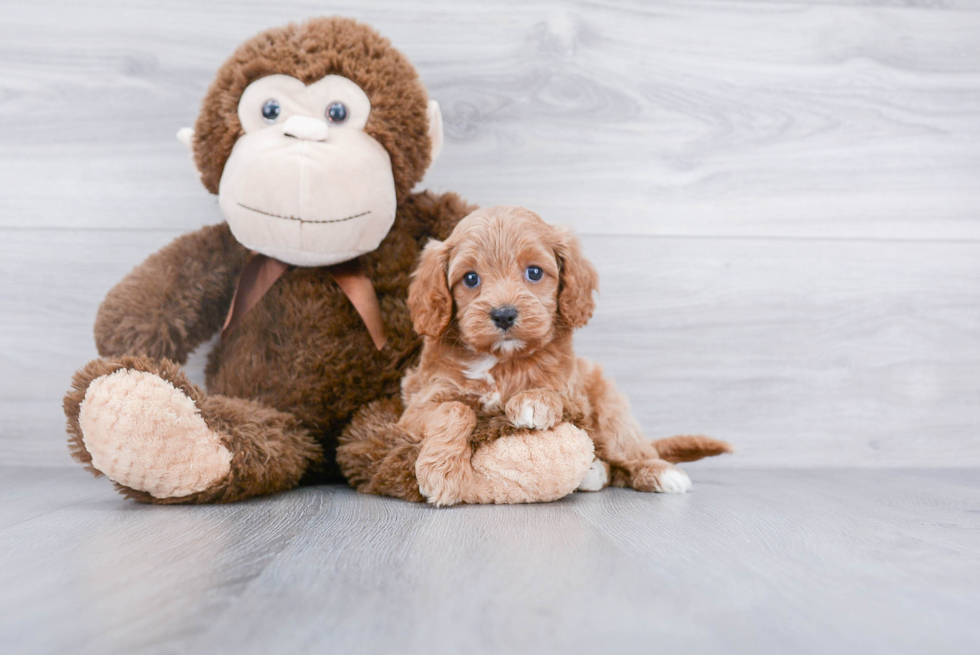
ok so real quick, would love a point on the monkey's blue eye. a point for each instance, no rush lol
(337, 112)
(471, 279)
(534, 273)
(270, 110)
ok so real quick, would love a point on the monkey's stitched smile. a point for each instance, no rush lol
(303, 220)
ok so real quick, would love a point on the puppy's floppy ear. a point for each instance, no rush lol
(578, 280)
(429, 298)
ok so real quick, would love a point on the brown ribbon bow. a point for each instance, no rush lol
(261, 272)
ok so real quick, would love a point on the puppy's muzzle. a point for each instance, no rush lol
(504, 317)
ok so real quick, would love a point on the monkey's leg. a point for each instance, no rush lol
(532, 466)
(161, 439)
(378, 457)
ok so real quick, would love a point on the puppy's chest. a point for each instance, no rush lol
(481, 384)
(491, 385)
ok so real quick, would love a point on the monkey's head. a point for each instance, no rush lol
(311, 134)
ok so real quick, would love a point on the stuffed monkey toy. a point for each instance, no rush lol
(313, 136)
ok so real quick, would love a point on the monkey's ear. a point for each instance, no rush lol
(436, 134)
(429, 298)
(186, 136)
(578, 280)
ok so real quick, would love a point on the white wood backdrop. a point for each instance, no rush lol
(783, 198)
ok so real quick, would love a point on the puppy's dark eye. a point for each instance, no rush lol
(337, 112)
(270, 110)
(471, 280)
(534, 273)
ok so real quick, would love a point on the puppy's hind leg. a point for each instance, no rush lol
(633, 459)
(654, 475)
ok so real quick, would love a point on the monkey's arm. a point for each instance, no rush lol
(175, 300)
(431, 215)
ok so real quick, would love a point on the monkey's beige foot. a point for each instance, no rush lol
(147, 435)
(532, 467)
(659, 476)
(163, 440)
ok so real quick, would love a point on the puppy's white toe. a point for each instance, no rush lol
(534, 414)
(597, 477)
(526, 419)
(674, 481)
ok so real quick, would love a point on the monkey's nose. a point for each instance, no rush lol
(504, 317)
(306, 128)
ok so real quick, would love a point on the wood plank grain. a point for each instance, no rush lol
(106, 575)
(715, 118)
(751, 561)
(29, 492)
(802, 353)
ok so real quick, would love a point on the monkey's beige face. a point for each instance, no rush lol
(305, 184)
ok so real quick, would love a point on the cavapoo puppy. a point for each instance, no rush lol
(497, 303)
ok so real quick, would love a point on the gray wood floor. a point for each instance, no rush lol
(751, 561)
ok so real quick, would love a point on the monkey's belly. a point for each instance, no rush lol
(305, 350)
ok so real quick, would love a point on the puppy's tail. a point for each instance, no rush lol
(688, 449)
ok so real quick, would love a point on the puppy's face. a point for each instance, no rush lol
(507, 278)
(504, 282)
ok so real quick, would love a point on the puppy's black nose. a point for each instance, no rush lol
(504, 317)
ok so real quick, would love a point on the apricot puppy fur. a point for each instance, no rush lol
(497, 303)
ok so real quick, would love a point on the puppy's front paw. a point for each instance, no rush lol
(437, 496)
(437, 490)
(538, 409)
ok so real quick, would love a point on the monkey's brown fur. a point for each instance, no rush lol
(284, 383)
(379, 457)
